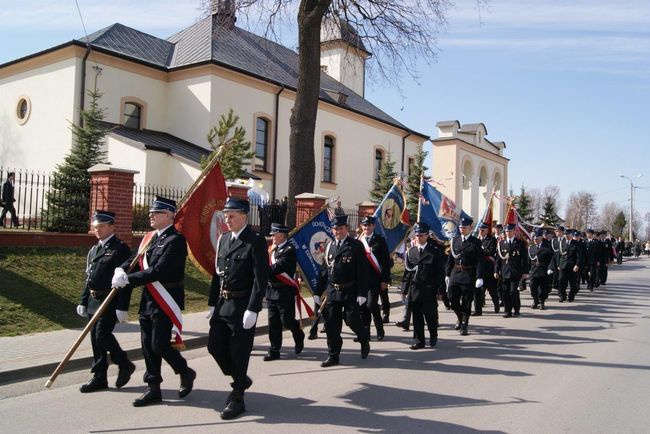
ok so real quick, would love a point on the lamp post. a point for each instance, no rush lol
(631, 199)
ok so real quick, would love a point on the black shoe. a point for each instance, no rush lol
(401, 324)
(249, 383)
(187, 382)
(517, 313)
(95, 384)
(433, 341)
(457, 326)
(497, 308)
(365, 349)
(561, 300)
(323, 330)
(313, 334)
(542, 307)
(299, 343)
(463, 330)
(534, 306)
(571, 299)
(477, 314)
(507, 315)
(271, 355)
(124, 375)
(151, 396)
(385, 319)
(381, 334)
(417, 346)
(356, 339)
(330, 361)
(235, 406)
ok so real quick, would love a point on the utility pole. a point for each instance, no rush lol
(631, 200)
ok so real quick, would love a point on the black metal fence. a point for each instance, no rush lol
(143, 196)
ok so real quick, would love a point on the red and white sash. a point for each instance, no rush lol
(374, 263)
(163, 297)
(287, 280)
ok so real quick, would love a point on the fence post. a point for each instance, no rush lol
(112, 190)
(306, 206)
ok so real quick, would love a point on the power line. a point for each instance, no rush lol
(82, 19)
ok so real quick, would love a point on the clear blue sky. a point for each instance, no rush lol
(566, 84)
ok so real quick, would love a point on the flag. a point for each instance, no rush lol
(487, 217)
(392, 217)
(439, 212)
(309, 240)
(513, 218)
(199, 217)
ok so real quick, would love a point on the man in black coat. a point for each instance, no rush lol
(592, 258)
(605, 258)
(281, 293)
(555, 262)
(539, 256)
(489, 249)
(378, 262)
(346, 290)
(583, 276)
(162, 271)
(511, 267)
(236, 294)
(620, 248)
(8, 200)
(423, 275)
(463, 273)
(101, 262)
(569, 265)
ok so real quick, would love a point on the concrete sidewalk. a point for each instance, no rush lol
(37, 355)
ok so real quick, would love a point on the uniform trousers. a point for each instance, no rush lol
(424, 311)
(540, 288)
(156, 335)
(103, 341)
(385, 302)
(510, 293)
(334, 313)
(230, 344)
(370, 310)
(568, 279)
(282, 313)
(603, 273)
(593, 276)
(460, 298)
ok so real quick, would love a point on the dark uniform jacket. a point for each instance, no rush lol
(379, 248)
(468, 263)
(242, 265)
(101, 263)
(607, 250)
(285, 262)
(582, 251)
(166, 257)
(423, 272)
(569, 255)
(512, 259)
(539, 259)
(8, 193)
(346, 266)
(489, 250)
(594, 252)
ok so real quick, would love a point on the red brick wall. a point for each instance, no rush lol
(113, 191)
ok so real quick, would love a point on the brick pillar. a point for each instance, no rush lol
(307, 204)
(366, 208)
(112, 190)
(238, 191)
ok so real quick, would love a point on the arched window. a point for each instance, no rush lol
(132, 115)
(261, 144)
(328, 159)
(379, 162)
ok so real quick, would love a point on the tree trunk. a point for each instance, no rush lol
(303, 115)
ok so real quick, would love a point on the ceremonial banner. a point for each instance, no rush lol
(439, 212)
(392, 217)
(200, 220)
(487, 217)
(523, 229)
(309, 241)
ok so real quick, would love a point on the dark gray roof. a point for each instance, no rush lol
(336, 29)
(207, 41)
(447, 123)
(471, 128)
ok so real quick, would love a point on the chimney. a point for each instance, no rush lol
(223, 12)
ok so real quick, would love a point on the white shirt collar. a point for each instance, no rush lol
(161, 231)
(236, 235)
(279, 246)
(105, 240)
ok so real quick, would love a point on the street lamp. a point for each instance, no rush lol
(631, 199)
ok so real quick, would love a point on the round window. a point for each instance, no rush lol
(23, 109)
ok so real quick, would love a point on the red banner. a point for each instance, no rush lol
(200, 220)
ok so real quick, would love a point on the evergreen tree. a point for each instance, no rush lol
(233, 150)
(549, 215)
(619, 224)
(68, 200)
(413, 183)
(387, 175)
(523, 205)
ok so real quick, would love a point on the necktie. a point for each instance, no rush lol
(232, 240)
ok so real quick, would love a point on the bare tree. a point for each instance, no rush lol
(608, 214)
(581, 210)
(398, 33)
(536, 204)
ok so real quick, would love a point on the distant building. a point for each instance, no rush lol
(470, 166)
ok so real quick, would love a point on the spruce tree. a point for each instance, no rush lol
(549, 216)
(233, 150)
(413, 183)
(619, 224)
(68, 200)
(523, 205)
(387, 175)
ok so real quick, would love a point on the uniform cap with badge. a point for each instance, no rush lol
(235, 204)
(101, 216)
(277, 228)
(163, 204)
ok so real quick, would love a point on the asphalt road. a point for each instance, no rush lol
(582, 367)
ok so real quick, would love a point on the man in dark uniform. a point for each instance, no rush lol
(489, 249)
(539, 255)
(606, 244)
(620, 248)
(8, 200)
(281, 294)
(423, 275)
(101, 261)
(569, 265)
(236, 293)
(378, 261)
(346, 290)
(555, 261)
(162, 271)
(592, 258)
(511, 267)
(583, 276)
(463, 273)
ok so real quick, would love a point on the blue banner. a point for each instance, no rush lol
(309, 241)
(392, 218)
(439, 212)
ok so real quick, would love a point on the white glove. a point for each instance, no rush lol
(549, 272)
(316, 299)
(82, 311)
(249, 319)
(361, 300)
(210, 312)
(447, 280)
(120, 278)
(479, 283)
(122, 315)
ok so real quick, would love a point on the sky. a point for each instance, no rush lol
(566, 84)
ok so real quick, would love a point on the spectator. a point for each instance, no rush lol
(8, 200)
